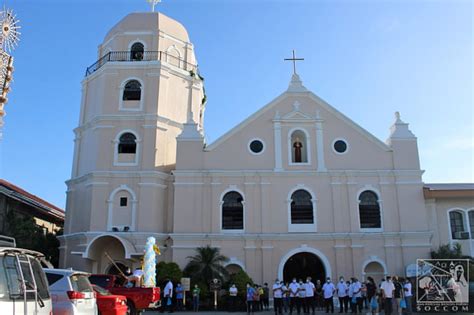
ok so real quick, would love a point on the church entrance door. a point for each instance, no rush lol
(302, 265)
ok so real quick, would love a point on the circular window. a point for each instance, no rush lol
(256, 146)
(340, 146)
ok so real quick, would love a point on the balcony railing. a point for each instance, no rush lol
(117, 56)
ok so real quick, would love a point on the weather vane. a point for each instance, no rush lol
(153, 3)
(9, 37)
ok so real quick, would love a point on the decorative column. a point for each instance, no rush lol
(319, 143)
(277, 140)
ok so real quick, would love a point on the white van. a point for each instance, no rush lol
(23, 285)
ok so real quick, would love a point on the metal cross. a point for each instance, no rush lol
(294, 59)
(153, 3)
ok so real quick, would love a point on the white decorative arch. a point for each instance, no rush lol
(465, 221)
(110, 203)
(379, 200)
(302, 227)
(235, 261)
(221, 202)
(170, 49)
(305, 249)
(116, 142)
(128, 247)
(138, 40)
(375, 259)
(142, 95)
(308, 146)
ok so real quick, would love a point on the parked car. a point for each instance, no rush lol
(138, 298)
(109, 304)
(23, 284)
(71, 292)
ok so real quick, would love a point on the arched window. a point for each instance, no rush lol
(127, 143)
(232, 211)
(471, 222)
(137, 51)
(301, 207)
(369, 211)
(299, 147)
(132, 91)
(456, 220)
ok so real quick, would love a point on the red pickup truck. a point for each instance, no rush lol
(138, 298)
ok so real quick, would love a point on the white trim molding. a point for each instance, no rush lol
(302, 228)
(116, 143)
(256, 153)
(142, 95)
(229, 189)
(372, 259)
(110, 210)
(128, 247)
(307, 142)
(379, 200)
(305, 249)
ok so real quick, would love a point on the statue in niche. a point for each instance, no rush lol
(297, 145)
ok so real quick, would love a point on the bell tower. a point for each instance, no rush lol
(136, 99)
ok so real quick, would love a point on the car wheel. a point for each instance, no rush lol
(131, 308)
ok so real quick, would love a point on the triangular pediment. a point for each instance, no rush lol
(296, 114)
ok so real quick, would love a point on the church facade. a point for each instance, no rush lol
(296, 189)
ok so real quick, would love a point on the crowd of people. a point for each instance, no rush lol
(392, 295)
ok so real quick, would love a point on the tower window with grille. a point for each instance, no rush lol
(127, 143)
(132, 91)
(301, 208)
(369, 211)
(232, 211)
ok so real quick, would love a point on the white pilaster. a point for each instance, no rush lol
(320, 144)
(277, 139)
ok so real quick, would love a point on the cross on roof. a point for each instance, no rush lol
(294, 59)
(153, 3)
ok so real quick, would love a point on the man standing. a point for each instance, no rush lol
(168, 294)
(328, 292)
(179, 297)
(196, 293)
(294, 287)
(277, 297)
(301, 298)
(232, 297)
(341, 289)
(309, 289)
(387, 288)
(397, 296)
(408, 295)
(357, 294)
(266, 299)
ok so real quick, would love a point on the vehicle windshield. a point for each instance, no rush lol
(10, 277)
(80, 283)
(101, 290)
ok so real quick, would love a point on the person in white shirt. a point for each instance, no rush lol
(356, 296)
(168, 294)
(277, 290)
(328, 292)
(387, 289)
(408, 295)
(301, 298)
(309, 300)
(341, 289)
(232, 297)
(293, 288)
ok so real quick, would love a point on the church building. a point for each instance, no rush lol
(296, 189)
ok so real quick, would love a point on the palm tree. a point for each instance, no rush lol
(206, 265)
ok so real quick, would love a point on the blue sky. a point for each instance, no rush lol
(366, 58)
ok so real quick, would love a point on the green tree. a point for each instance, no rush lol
(169, 270)
(453, 252)
(30, 236)
(206, 265)
(240, 279)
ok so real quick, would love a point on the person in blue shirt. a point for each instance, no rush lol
(250, 298)
(179, 297)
